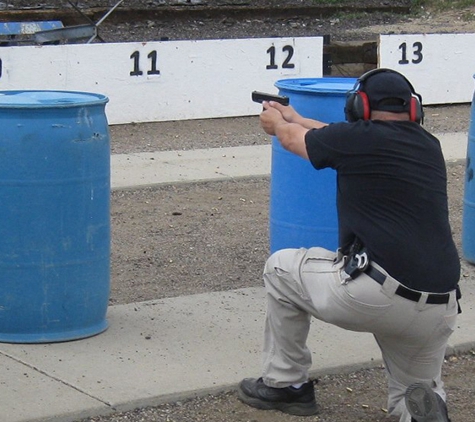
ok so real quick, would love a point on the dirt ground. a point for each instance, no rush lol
(192, 238)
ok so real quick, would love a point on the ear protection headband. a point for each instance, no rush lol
(357, 105)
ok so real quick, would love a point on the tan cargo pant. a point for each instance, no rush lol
(301, 283)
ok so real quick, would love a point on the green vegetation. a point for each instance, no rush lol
(468, 17)
(435, 4)
(443, 4)
(418, 6)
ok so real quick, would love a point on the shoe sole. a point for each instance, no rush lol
(297, 409)
(422, 404)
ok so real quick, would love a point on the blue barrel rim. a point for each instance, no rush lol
(324, 86)
(46, 99)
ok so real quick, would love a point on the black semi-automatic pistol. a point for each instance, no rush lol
(259, 97)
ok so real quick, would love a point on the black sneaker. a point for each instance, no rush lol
(425, 405)
(300, 402)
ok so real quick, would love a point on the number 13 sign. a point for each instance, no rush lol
(440, 66)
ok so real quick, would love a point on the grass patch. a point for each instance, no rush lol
(468, 16)
(444, 4)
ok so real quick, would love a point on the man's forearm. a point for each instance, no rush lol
(310, 123)
(292, 138)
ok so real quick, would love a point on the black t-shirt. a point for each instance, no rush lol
(392, 195)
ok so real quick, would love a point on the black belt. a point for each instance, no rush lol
(406, 293)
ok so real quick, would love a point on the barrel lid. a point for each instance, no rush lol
(327, 85)
(49, 99)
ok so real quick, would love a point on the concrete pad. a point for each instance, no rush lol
(149, 168)
(166, 167)
(28, 394)
(173, 348)
(454, 145)
(169, 349)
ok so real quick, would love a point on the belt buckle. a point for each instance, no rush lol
(362, 261)
(357, 264)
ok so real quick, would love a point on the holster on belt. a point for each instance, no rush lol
(458, 296)
(357, 260)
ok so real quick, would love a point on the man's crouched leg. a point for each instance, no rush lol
(294, 401)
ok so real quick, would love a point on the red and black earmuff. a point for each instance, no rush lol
(357, 105)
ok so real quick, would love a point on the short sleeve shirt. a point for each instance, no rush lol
(392, 195)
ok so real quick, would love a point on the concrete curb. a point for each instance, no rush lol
(130, 171)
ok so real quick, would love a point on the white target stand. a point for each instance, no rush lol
(181, 80)
(440, 66)
(165, 80)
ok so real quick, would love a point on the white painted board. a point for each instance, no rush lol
(440, 66)
(166, 80)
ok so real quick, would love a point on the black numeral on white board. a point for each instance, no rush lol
(415, 54)
(153, 59)
(288, 51)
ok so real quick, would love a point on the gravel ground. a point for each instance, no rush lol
(352, 23)
(194, 238)
(154, 4)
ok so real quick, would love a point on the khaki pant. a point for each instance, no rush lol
(301, 283)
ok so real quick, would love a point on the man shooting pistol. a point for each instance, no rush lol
(396, 272)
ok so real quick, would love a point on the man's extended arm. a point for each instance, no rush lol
(288, 126)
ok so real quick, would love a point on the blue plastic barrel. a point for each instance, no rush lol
(54, 216)
(303, 200)
(468, 220)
